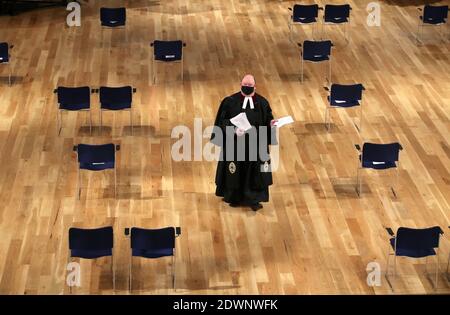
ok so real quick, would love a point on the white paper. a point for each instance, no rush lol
(241, 121)
(283, 121)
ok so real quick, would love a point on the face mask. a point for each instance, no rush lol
(247, 90)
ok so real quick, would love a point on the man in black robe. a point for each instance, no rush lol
(243, 173)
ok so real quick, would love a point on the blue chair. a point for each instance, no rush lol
(378, 157)
(4, 58)
(315, 52)
(414, 243)
(167, 52)
(337, 15)
(96, 158)
(113, 18)
(303, 15)
(432, 16)
(73, 99)
(92, 244)
(116, 98)
(344, 96)
(153, 243)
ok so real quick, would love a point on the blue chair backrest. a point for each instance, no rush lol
(113, 16)
(91, 243)
(435, 12)
(352, 92)
(312, 49)
(74, 98)
(337, 11)
(302, 12)
(418, 239)
(373, 152)
(152, 243)
(91, 154)
(116, 97)
(4, 52)
(168, 50)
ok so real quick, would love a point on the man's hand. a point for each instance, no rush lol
(273, 122)
(240, 132)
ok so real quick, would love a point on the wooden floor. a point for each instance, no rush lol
(315, 236)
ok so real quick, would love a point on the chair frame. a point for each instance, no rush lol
(9, 65)
(394, 253)
(111, 110)
(130, 282)
(329, 106)
(360, 168)
(422, 24)
(113, 269)
(314, 62)
(105, 27)
(59, 116)
(346, 26)
(154, 62)
(117, 148)
(291, 23)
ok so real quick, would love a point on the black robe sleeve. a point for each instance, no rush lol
(221, 121)
(268, 117)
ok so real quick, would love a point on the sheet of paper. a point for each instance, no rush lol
(241, 121)
(284, 121)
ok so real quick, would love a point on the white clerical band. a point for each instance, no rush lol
(248, 99)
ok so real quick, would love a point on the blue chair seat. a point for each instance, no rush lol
(382, 165)
(74, 99)
(432, 20)
(336, 20)
(153, 253)
(168, 50)
(168, 57)
(113, 23)
(74, 106)
(96, 157)
(4, 53)
(113, 106)
(90, 254)
(343, 103)
(113, 17)
(317, 58)
(415, 253)
(99, 166)
(305, 20)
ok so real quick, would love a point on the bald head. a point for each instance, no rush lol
(248, 80)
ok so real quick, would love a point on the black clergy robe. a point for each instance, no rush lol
(244, 182)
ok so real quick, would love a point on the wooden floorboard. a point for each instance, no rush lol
(315, 236)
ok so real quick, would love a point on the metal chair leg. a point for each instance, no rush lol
(173, 270)
(358, 182)
(302, 68)
(130, 273)
(59, 125)
(79, 183)
(154, 71)
(131, 121)
(69, 260)
(113, 270)
(437, 271)
(448, 264)
(115, 182)
(182, 69)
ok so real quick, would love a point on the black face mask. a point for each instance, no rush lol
(247, 90)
